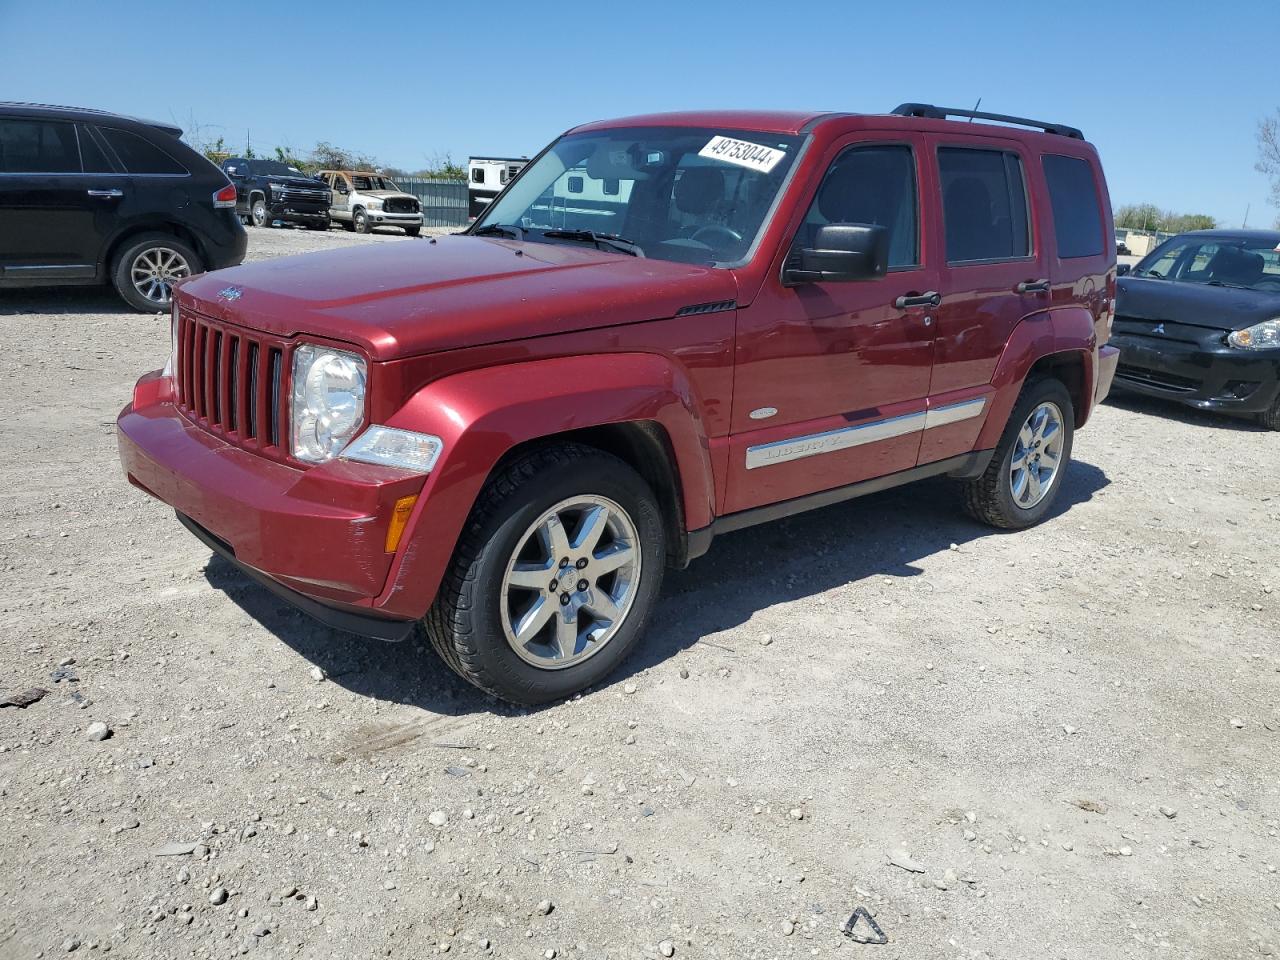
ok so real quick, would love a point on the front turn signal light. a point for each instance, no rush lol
(399, 520)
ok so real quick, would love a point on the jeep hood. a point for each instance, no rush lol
(1194, 304)
(412, 297)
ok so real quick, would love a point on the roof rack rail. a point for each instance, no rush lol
(931, 112)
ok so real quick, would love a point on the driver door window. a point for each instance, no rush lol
(872, 185)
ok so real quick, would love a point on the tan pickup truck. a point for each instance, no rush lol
(362, 201)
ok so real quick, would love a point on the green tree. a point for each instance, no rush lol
(1139, 216)
(442, 166)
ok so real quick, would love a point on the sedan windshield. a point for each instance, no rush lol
(1220, 261)
(673, 193)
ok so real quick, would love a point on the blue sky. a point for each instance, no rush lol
(1171, 94)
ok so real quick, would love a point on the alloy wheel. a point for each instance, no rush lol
(155, 270)
(1037, 455)
(571, 582)
(259, 213)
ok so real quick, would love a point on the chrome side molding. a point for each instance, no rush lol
(810, 445)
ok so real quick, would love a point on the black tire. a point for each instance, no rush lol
(412, 231)
(259, 215)
(464, 625)
(319, 226)
(360, 221)
(347, 225)
(990, 497)
(1270, 418)
(141, 246)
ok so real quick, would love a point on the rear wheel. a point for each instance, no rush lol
(555, 577)
(1022, 481)
(147, 268)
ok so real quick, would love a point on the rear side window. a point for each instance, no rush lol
(1077, 215)
(38, 146)
(984, 205)
(140, 156)
(873, 185)
(95, 161)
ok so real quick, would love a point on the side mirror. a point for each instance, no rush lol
(234, 173)
(840, 252)
(1122, 270)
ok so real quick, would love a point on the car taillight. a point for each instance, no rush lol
(226, 197)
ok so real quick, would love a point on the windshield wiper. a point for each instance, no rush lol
(612, 239)
(1223, 283)
(500, 230)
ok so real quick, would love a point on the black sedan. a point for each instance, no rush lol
(1198, 321)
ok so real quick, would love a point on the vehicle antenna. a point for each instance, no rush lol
(975, 108)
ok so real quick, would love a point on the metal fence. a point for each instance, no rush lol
(444, 202)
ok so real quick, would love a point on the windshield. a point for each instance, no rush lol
(274, 168)
(364, 182)
(1252, 264)
(674, 193)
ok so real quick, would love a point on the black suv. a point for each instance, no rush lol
(268, 190)
(87, 196)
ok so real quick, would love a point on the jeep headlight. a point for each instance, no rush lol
(1260, 336)
(328, 401)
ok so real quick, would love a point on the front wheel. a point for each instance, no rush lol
(361, 221)
(1270, 418)
(555, 577)
(412, 231)
(258, 213)
(1025, 474)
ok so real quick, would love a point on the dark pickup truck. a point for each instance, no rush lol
(268, 190)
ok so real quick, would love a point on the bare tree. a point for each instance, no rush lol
(1269, 152)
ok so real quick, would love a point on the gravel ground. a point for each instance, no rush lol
(1057, 743)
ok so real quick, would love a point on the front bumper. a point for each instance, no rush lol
(290, 213)
(394, 219)
(317, 533)
(1198, 369)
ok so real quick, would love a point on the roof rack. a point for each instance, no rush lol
(942, 113)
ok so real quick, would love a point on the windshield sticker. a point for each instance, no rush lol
(743, 153)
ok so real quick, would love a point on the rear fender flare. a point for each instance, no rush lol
(481, 415)
(1064, 335)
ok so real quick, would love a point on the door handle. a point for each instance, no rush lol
(108, 194)
(1033, 286)
(930, 299)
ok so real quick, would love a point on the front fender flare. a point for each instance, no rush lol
(483, 414)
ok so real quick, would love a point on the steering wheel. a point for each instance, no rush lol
(717, 230)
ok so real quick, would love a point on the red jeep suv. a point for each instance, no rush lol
(666, 327)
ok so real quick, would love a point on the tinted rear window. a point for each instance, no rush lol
(1077, 215)
(95, 161)
(984, 201)
(140, 156)
(38, 146)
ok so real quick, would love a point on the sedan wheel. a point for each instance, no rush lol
(1037, 455)
(571, 582)
(154, 271)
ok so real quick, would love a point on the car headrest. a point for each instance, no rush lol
(698, 190)
(1233, 265)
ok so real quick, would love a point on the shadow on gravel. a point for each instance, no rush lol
(883, 534)
(1171, 410)
(62, 300)
(408, 672)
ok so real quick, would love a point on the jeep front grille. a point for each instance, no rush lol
(232, 382)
